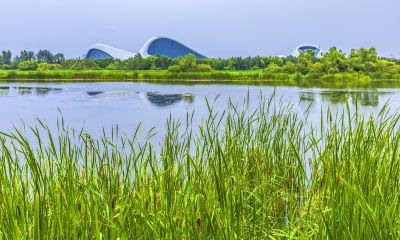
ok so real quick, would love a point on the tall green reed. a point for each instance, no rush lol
(242, 173)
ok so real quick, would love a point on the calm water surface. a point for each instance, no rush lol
(95, 106)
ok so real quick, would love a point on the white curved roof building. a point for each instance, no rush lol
(167, 47)
(102, 51)
(155, 46)
(304, 47)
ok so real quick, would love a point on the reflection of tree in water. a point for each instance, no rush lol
(307, 96)
(364, 98)
(4, 90)
(187, 97)
(163, 100)
(334, 97)
(39, 91)
(24, 90)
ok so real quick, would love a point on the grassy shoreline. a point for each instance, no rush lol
(159, 75)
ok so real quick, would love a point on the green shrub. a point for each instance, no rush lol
(273, 68)
(27, 65)
(112, 66)
(175, 68)
(203, 68)
(48, 66)
(188, 64)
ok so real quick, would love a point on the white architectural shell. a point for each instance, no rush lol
(111, 51)
(179, 49)
(145, 48)
(154, 46)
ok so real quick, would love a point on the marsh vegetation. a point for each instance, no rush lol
(240, 174)
(359, 65)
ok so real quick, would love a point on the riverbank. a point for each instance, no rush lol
(163, 75)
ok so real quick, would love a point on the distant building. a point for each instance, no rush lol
(155, 46)
(166, 47)
(101, 51)
(304, 47)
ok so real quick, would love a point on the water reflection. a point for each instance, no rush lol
(38, 91)
(366, 98)
(94, 93)
(163, 100)
(24, 90)
(4, 90)
(43, 91)
(126, 104)
(120, 92)
(362, 97)
(307, 96)
(335, 97)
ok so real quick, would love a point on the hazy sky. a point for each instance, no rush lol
(215, 28)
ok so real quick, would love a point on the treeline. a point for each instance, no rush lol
(335, 61)
(332, 62)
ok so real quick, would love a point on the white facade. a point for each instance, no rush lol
(145, 48)
(154, 46)
(113, 52)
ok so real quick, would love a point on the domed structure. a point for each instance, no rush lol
(155, 46)
(166, 47)
(304, 47)
(101, 51)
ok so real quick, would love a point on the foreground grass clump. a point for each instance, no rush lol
(261, 174)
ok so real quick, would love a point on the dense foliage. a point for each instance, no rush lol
(333, 61)
(189, 64)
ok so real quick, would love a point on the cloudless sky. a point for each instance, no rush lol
(215, 28)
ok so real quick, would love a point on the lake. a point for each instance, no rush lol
(99, 105)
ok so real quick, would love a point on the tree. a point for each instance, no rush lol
(383, 65)
(174, 68)
(275, 60)
(290, 67)
(273, 68)
(187, 63)
(334, 61)
(58, 58)
(203, 68)
(44, 56)
(25, 56)
(84, 64)
(27, 65)
(362, 60)
(305, 60)
(315, 67)
(163, 62)
(5, 57)
(149, 63)
(135, 63)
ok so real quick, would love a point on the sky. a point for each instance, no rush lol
(215, 28)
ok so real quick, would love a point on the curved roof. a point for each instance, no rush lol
(111, 51)
(304, 47)
(166, 46)
(155, 46)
